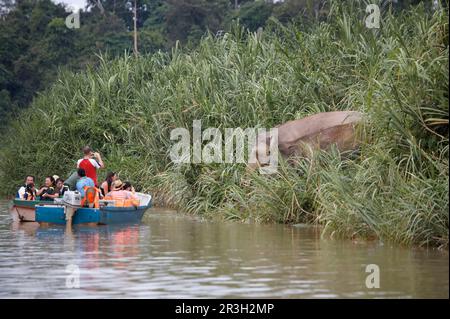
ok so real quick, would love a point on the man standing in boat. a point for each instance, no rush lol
(90, 162)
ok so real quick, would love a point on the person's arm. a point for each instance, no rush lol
(134, 198)
(46, 195)
(39, 192)
(33, 190)
(99, 160)
(132, 195)
(56, 195)
(104, 186)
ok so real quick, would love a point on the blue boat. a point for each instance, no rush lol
(107, 213)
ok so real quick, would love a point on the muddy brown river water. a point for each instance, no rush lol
(171, 255)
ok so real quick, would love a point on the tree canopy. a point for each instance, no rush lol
(35, 41)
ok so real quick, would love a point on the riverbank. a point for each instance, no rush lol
(396, 189)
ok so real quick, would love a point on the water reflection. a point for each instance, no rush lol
(95, 242)
(174, 256)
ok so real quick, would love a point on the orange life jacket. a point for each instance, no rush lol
(123, 202)
(91, 197)
(127, 202)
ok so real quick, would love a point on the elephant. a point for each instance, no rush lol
(301, 137)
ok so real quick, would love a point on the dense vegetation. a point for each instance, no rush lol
(35, 42)
(396, 189)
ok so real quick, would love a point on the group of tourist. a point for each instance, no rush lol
(53, 187)
(84, 178)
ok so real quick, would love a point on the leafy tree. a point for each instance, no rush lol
(21, 50)
(122, 9)
(293, 9)
(35, 43)
(188, 18)
(254, 14)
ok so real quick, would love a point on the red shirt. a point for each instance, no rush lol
(90, 166)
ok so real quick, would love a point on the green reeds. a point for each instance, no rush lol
(395, 189)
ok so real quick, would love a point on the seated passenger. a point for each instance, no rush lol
(120, 196)
(106, 185)
(27, 191)
(128, 187)
(47, 192)
(83, 181)
(60, 187)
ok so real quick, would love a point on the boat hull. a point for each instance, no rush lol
(22, 214)
(57, 215)
(24, 210)
(108, 215)
(118, 215)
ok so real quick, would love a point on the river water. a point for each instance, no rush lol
(171, 255)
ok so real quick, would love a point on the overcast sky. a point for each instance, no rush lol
(76, 4)
(79, 4)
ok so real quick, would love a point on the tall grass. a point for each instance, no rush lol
(395, 189)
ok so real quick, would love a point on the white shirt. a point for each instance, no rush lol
(21, 192)
(93, 162)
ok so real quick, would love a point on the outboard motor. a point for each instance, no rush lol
(72, 198)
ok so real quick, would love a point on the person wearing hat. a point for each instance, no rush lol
(121, 196)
